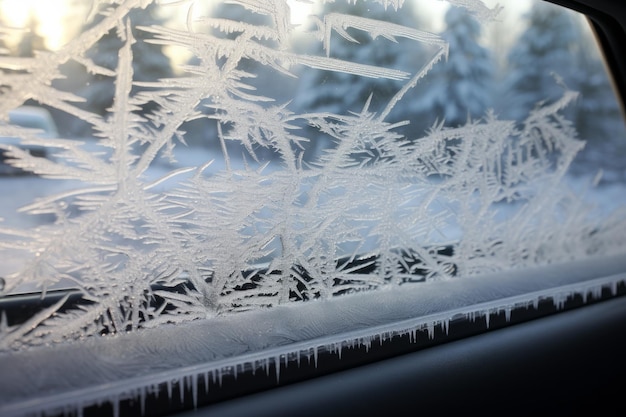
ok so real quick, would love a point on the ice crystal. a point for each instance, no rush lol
(280, 222)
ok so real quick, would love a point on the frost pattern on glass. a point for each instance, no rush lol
(273, 218)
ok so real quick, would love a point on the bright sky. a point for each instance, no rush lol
(57, 19)
(54, 16)
(51, 16)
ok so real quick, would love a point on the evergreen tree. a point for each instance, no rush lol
(339, 92)
(598, 113)
(342, 93)
(546, 51)
(598, 118)
(31, 41)
(461, 86)
(554, 46)
(149, 61)
(203, 131)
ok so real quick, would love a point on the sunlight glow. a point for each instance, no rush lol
(48, 18)
(300, 10)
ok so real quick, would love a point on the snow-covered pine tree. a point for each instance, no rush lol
(31, 40)
(544, 53)
(599, 121)
(552, 54)
(340, 92)
(228, 21)
(149, 63)
(459, 88)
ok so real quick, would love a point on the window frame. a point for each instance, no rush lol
(564, 363)
(387, 382)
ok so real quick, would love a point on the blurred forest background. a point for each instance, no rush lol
(552, 50)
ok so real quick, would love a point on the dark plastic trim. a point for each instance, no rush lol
(562, 364)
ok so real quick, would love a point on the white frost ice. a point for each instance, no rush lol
(261, 218)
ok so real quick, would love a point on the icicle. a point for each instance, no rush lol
(115, 402)
(194, 390)
(206, 382)
(367, 342)
(597, 292)
(487, 317)
(315, 355)
(277, 366)
(614, 288)
(154, 390)
(266, 366)
(142, 400)
(181, 389)
(507, 313)
(219, 376)
(431, 330)
(559, 300)
(74, 409)
(339, 350)
(169, 389)
(445, 324)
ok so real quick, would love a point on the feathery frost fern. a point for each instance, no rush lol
(375, 208)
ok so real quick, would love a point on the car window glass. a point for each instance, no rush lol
(213, 158)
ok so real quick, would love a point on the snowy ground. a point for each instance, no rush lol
(19, 191)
